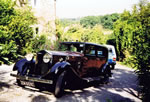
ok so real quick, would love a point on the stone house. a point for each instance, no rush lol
(45, 12)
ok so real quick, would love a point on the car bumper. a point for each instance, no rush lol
(33, 79)
(111, 62)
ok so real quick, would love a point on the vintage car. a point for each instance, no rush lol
(75, 66)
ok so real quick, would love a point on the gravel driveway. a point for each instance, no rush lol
(122, 88)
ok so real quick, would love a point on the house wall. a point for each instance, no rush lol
(44, 11)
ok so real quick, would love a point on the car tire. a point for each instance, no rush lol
(60, 84)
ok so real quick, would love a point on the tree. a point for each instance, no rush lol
(89, 21)
(123, 33)
(132, 33)
(79, 33)
(15, 30)
(94, 35)
(108, 20)
(21, 29)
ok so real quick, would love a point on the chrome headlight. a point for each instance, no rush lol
(29, 57)
(47, 58)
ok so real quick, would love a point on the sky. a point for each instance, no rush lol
(81, 8)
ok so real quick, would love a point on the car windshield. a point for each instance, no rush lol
(71, 47)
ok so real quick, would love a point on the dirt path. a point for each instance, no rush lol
(122, 88)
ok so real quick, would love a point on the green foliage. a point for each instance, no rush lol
(73, 33)
(6, 11)
(132, 33)
(8, 52)
(78, 33)
(111, 40)
(38, 43)
(106, 21)
(20, 29)
(94, 35)
(89, 21)
(59, 29)
(124, 29)
(15, 30)
(67, 22)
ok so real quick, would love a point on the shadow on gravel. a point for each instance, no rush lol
(1, 73)
(3, 85)
(125, 80)
(86, 96)
(2, 77)
(95, 94)
(37, 90)
(40, 98)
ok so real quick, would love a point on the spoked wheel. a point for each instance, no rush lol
(60, 84)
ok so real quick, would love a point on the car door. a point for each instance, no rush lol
(102, 55)
(89, 59)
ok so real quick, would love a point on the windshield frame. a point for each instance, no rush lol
(72, 47)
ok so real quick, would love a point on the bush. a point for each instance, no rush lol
(38, 43)
(8, 52)
(15, 30)
(81, 34)
(132, 32)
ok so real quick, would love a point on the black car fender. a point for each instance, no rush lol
(59, 66)
(73, 79)
(20, 65)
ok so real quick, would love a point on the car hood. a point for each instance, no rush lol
(65, 53)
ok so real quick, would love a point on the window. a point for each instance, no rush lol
(71, 47)
(101, 52)
(63, 47)
(90, 50)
